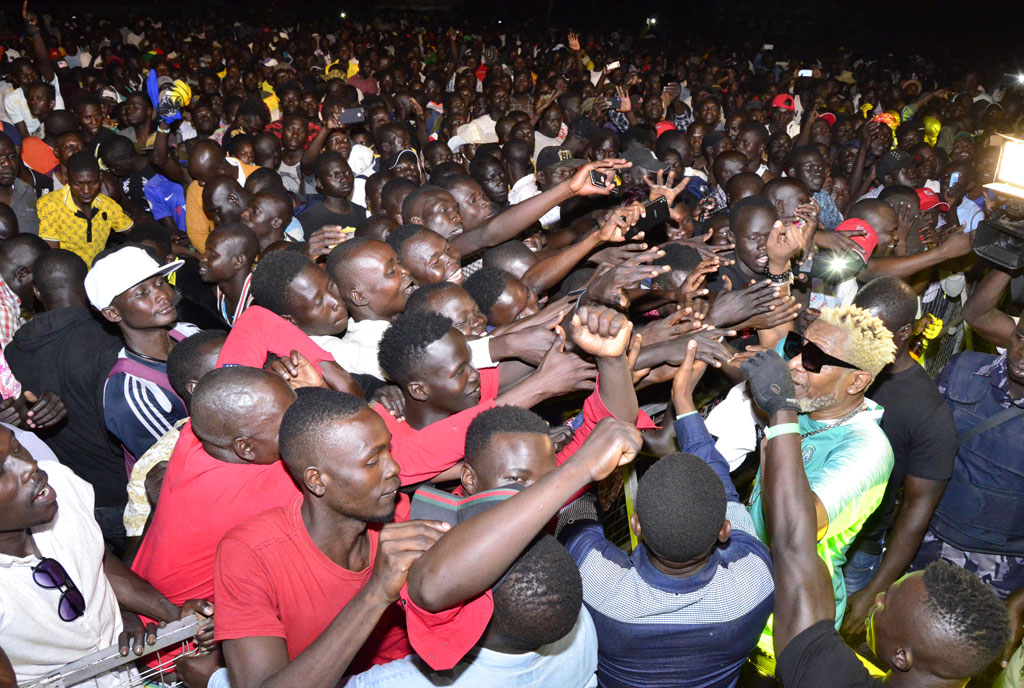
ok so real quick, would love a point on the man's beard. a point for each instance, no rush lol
(819, 403)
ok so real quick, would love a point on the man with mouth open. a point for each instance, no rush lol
(63, 594)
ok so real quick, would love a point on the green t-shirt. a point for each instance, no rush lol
(848, 468)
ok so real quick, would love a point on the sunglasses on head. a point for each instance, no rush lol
(811, 356)
(49, 574)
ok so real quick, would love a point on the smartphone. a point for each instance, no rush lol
(768, 46)
(805, 73)
(652, 224)
(615, 103)
(953, 179)
(351, 115)
(611, 65)
(598, 179)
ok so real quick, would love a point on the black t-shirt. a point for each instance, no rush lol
(70, 352)
(134, 186)
(318, 216)
(818, 657)
(920, 428)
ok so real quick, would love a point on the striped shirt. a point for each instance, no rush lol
(658, 630)
(139, 412)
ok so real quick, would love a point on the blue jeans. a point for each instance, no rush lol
(859, 570)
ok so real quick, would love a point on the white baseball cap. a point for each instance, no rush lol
(117, 272)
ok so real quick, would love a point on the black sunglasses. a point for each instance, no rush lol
(49, 574)
(811, 356)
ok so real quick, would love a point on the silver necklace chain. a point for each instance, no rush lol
(836, 424)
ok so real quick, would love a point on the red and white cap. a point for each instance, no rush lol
(929, 199)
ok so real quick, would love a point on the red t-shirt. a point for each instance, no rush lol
(433, 449)
(201, 499)
(272, 580)
(258, 332)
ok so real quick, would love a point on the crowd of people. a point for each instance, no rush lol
(343, 340)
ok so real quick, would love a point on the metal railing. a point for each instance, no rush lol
(176, 635)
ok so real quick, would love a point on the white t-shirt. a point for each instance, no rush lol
(32, 634)
(17, 107)
(356, 352)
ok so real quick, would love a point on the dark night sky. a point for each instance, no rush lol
(985, 30)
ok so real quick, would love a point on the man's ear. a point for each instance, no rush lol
(859, 382)
(904, 333)
(791, 172)
(276, 223)
(725, 532)
(111, 314)
(314, 481)
(415, 220)
(238, 261)
(902, 659)
(634, 523)
(357, 298)
(243, 449)
(190, 386)
(418, 390)
(36, 294)
(468, 479)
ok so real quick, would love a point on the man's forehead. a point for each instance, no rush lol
(828, 337)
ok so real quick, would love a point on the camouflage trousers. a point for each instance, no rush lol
(1003, 572)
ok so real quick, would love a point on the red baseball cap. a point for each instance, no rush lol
(828, 117)
(784, 101)
(662, 127)
(865, 244)
(929, 199)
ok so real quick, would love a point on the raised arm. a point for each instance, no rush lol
(39, 51)
(803, 588)
(956, 245)
(606, 334)
(474, 554)
(981, 310)
(514, 219)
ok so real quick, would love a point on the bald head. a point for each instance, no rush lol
(224, 199)
(237, 411)
(786, 193)
(727, 165)
(880, 216)
(17, 255)
(742, 185)
(59, 277)
(206, 160)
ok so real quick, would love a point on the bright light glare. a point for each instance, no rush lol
(344, 15)
(652, 20)
(1011, 163)
(839, 264)
(1020, 78)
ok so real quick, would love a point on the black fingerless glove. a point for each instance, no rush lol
(771, 384)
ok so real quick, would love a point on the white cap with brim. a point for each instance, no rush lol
(117, 272)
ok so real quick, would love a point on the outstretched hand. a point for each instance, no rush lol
(601, 331)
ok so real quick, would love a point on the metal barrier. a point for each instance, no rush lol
(176, 635)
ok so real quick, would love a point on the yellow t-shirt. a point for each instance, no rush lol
(61, 220)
